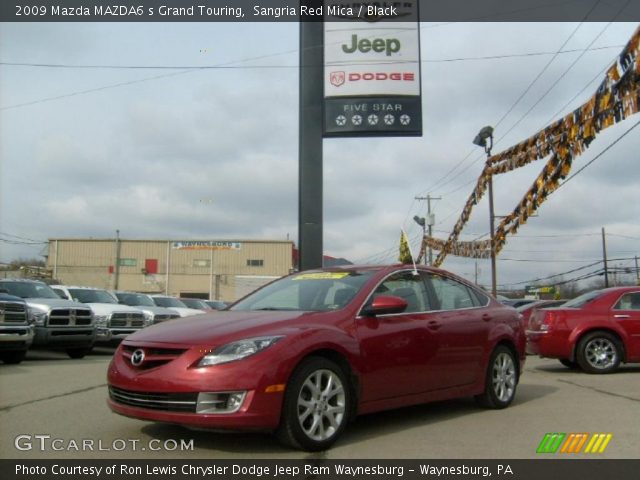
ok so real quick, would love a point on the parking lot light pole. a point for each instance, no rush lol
(485, 139)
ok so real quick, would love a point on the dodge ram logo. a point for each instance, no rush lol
(137, 357)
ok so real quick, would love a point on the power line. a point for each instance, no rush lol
(274, 66)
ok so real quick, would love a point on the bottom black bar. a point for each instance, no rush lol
(583, 469)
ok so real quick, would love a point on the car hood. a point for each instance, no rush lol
(108, 308)
(48, 303)
(154, 310)
(222, 326)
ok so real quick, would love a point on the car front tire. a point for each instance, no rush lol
(599, 352)
(13, 358)
(316, 405)
(501, 379)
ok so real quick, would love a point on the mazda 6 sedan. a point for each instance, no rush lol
(307, 353)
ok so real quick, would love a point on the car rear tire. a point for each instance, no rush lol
(78, 352)
(13, 358)
(569, 364)
(599, 352)
(316, 406)
(501, 379)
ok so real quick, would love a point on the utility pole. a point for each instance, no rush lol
(430, 220)
(117, 266)
(604, 259)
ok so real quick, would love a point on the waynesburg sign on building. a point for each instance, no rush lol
(372, 70)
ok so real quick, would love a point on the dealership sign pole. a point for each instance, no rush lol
(310, 144)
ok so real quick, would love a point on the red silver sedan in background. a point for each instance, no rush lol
(595, 331)
(306, 353)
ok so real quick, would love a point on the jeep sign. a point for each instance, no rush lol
(371, 66)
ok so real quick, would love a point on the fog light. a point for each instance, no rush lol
(220, 402)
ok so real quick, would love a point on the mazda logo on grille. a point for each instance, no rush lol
(137, 357)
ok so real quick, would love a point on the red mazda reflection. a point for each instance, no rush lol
(306, 353)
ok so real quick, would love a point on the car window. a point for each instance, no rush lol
(407, 286)
(452, 295)
(628, 301)
(61, 293)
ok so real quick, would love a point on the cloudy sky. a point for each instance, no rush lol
(179, 153)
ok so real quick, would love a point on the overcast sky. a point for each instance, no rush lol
(213, 154)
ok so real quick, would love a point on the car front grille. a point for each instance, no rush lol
(11, 312)
(153, 357)
(122, 319)
(170, 402)
(61, 317)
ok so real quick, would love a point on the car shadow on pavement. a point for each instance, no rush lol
(366, 426)
(559, 369)
(39, 355)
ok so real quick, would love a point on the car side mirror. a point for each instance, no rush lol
(385, 304)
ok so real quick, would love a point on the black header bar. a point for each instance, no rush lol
(314, 10)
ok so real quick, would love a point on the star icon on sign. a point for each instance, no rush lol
(405, 119)
(389, 119)
(356, 119)
(372, 119)
(341, 120)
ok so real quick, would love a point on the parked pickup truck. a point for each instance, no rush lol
(59, 324)
(152, 313)
(118, 320)
(16, 334)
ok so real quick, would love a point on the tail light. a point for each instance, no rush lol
(543, 320)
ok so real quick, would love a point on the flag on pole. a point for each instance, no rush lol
(405, 250)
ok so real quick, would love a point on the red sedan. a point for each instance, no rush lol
(595, 331)
(306, 353)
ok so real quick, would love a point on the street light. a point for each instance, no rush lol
(485, 139)
(423, 223)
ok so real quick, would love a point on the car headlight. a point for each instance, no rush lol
(101, 320)
(238, 350)
(148, 318)
(37, 317)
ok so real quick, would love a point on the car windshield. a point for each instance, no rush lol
(313, 291)
(135, 300)
(583, 299)
(193, 303)
(85, 295)
(29, 290)
(168, 302)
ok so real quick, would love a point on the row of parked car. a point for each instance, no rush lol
(75, 318)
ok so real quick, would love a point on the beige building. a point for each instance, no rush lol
(216, 269)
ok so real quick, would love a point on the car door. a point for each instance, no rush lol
(626, 313)
(463, 325)
(397, 349)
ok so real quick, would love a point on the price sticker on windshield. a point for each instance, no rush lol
(322, 276)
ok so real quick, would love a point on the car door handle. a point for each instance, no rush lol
(486, 317)
(621, 316)
(433, 325)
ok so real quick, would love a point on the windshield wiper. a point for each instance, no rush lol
(275, 309)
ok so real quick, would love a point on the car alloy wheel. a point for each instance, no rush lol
(321, 405)
(504, 377)
(599, 352)
(317, 405)
(501, 379)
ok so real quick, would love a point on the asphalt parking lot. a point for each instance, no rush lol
(63, 400)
